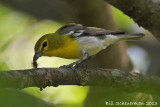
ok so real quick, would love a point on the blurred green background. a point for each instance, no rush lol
(18, 35)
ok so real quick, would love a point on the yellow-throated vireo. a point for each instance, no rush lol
(75, 41)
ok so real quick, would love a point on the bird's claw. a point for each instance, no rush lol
(81, 65)
(73, 68)
(66, 66)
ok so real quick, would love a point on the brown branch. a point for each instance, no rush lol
(144, 12)
(43, 77)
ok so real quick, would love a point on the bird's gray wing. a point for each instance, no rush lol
(77, 30)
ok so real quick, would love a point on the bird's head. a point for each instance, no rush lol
(45, 45)
(41, 46)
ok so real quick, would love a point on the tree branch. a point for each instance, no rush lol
(144, 12)
(43, 77)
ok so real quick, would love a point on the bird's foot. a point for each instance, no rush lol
(34, 64)
(71, 66)
(81, 65)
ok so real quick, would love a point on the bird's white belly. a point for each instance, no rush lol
(92, 44)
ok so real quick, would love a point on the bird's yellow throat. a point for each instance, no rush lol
(68, 49)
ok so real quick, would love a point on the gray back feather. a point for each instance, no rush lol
(77, 30)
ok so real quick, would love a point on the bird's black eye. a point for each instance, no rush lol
(44, 44)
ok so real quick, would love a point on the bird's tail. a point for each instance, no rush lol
(134, 36)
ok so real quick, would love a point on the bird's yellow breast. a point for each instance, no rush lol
(68, 49)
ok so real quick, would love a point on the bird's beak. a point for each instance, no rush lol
(37, 55)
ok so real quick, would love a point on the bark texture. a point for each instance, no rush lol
(43, 77)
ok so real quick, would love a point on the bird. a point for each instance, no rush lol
(75, 41)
